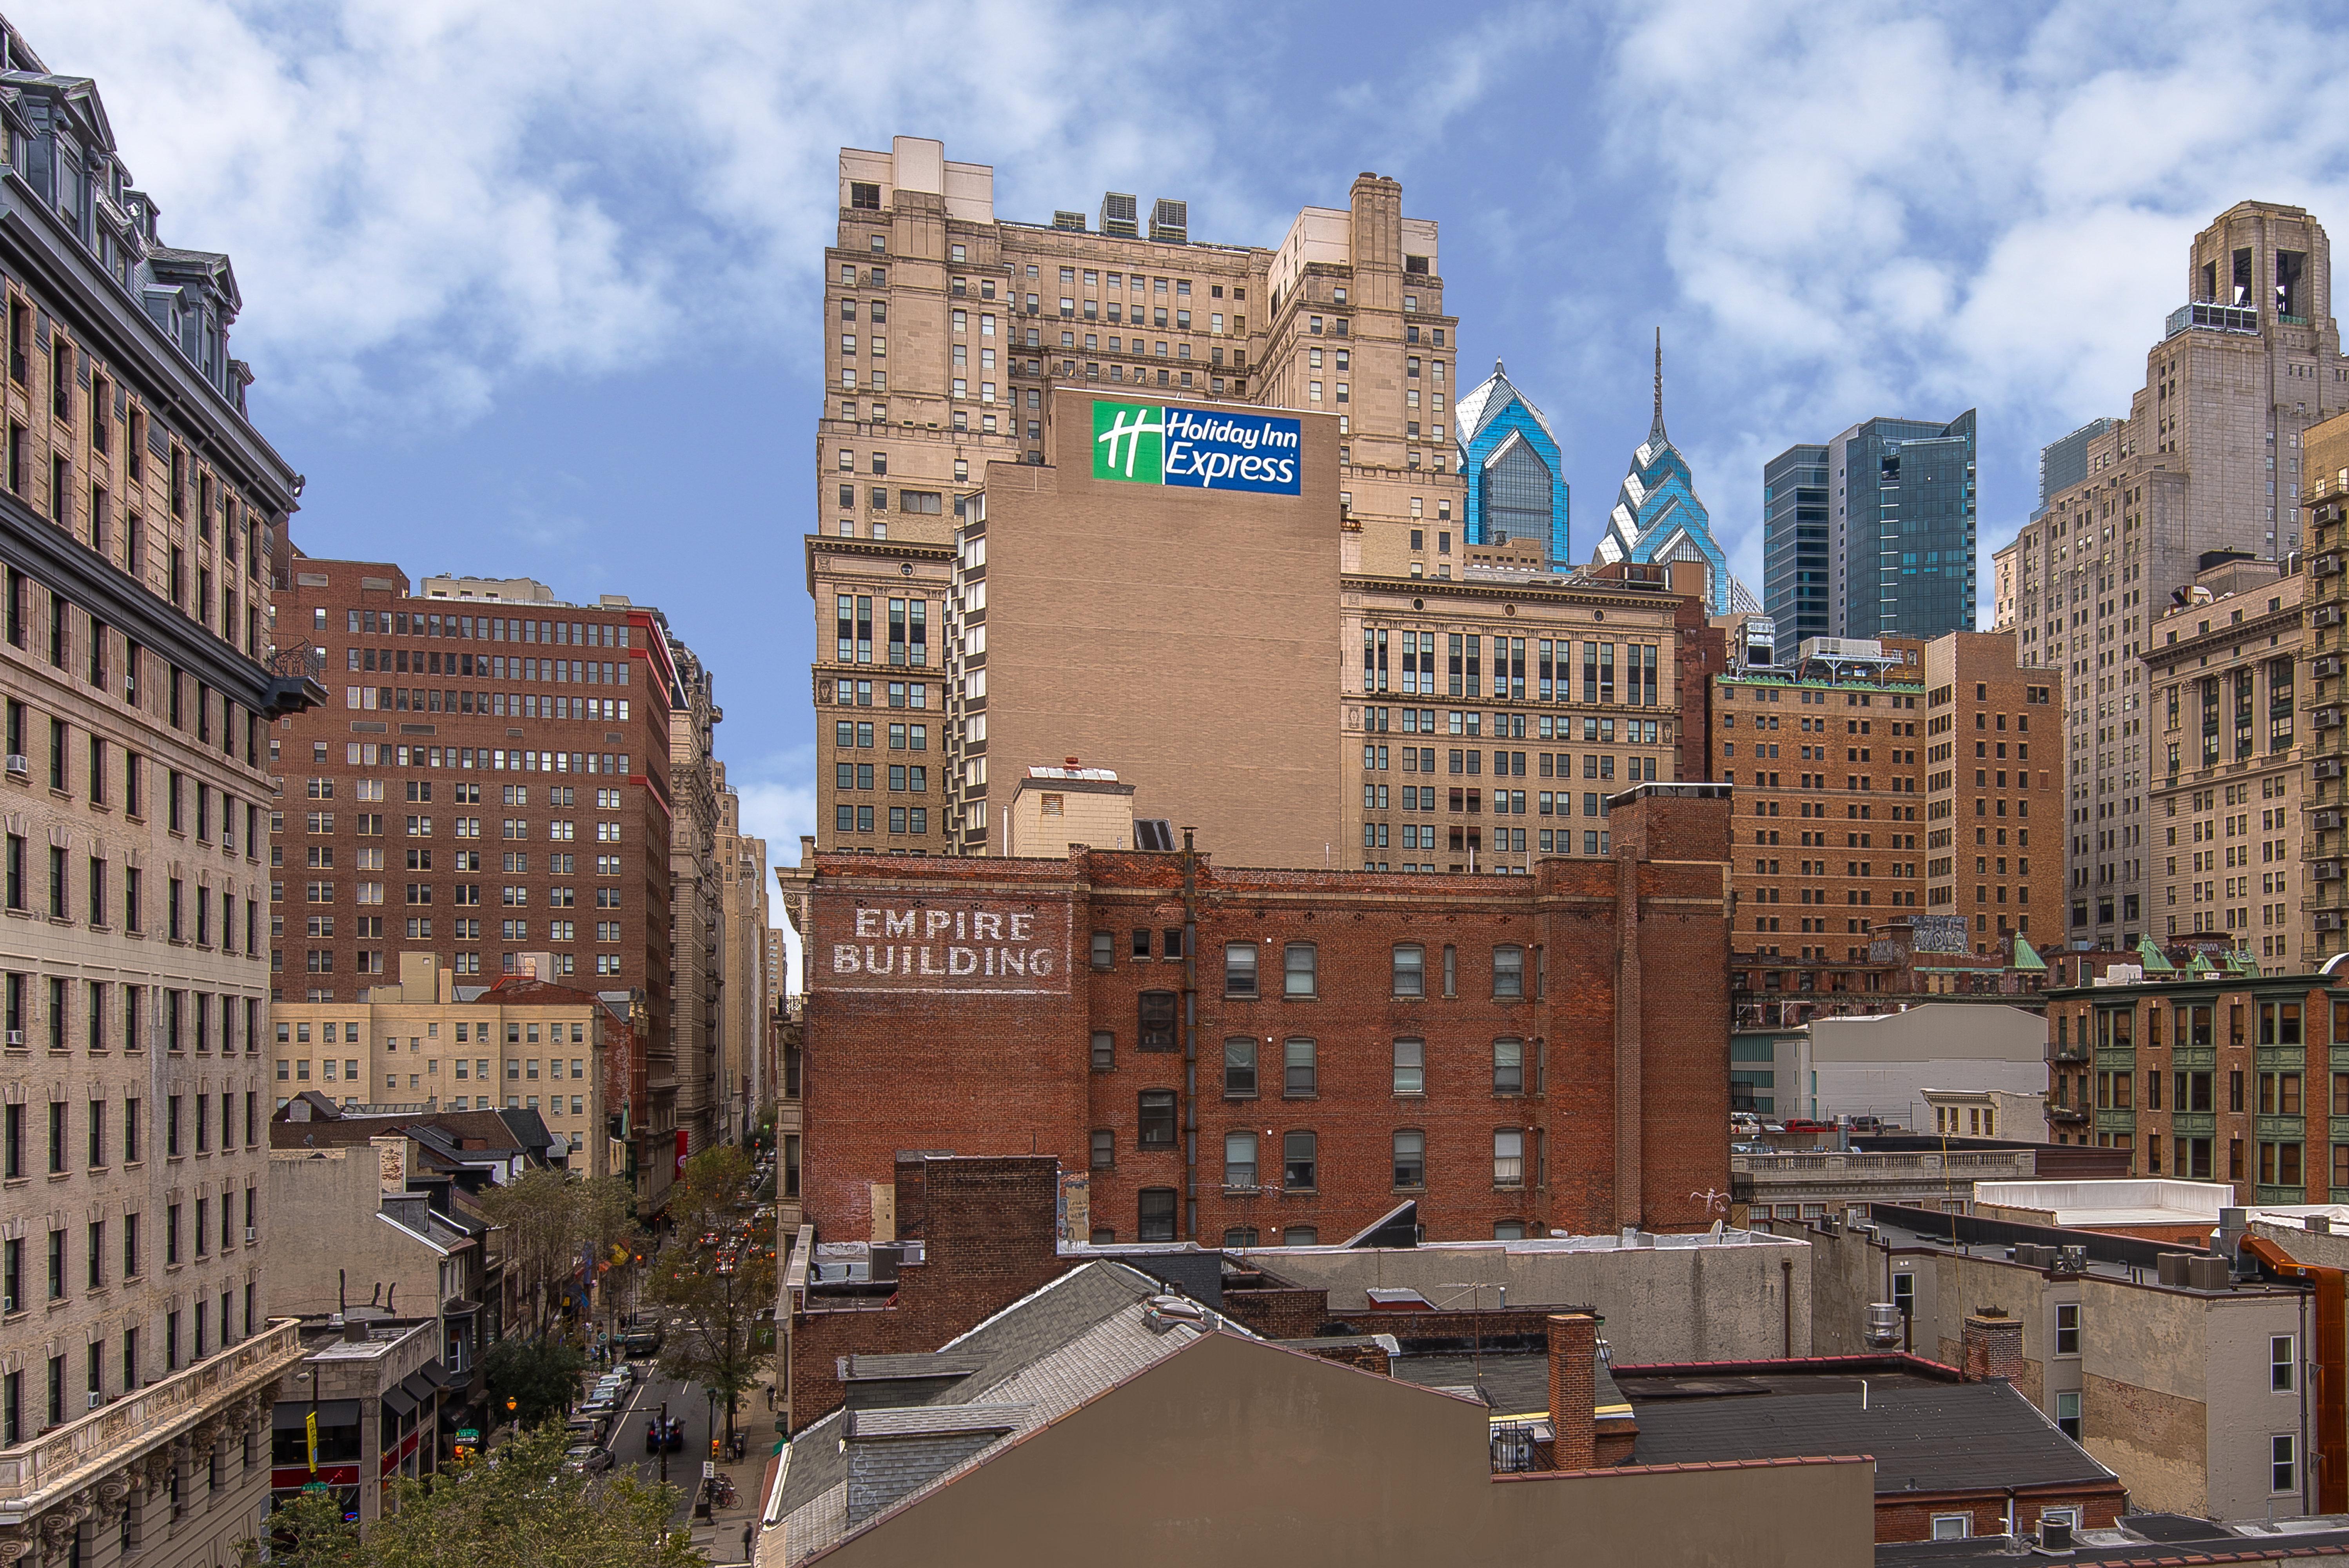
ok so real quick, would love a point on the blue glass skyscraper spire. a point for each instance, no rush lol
(1510, 459)
(1658, 517)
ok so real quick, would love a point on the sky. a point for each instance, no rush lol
(534, 289)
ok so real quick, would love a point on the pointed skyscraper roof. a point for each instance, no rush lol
(1656, 437)
(1477, 408)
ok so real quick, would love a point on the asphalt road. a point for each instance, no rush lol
(687, 1403)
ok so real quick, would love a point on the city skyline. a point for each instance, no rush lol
(383, 358)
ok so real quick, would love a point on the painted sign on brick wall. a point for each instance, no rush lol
(957, 945)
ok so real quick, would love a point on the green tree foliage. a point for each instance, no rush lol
(517, 1507)
(717, 1338)
(550, 1220)
(309, 1531)
(539, 1375)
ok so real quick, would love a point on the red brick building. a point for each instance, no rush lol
(1520, 1053)
(489, 777)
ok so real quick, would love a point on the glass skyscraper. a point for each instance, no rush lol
(1517, 488)
(1794, 546)
(1896, 554)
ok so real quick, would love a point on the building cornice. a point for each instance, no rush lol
(1577, 593)
(37, 547)
(34, 245)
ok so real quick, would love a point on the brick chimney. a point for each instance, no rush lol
(1993, 1345)
(1573, 1357)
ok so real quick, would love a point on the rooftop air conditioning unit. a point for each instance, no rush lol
(2054, 1535)
(1074, 221)
(1121, 215)
(1170, 222)
(19, 763)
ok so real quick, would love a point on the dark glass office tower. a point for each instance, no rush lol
(1901, 529)
(1795, 583)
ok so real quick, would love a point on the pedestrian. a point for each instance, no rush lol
(748, 1531)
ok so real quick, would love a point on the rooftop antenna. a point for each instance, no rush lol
(1656, 427)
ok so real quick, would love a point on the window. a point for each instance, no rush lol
(1156, 1013)
(1104, 1147)
(1298, 966)
(1508, 1066)
(1299, 1161)
(2283, 1463)
(1104, 949)
(1240, 969)
(2067, 1328)
(1411, 1159)
(1411, 1067)
(1953, 1526)
(1509, 1157)
(1104, 1051)
(1410, 969)
(1155, 1125)
(1240, 1161)
(2067, 1418)
(1155, 1215)
(1239, 1068)
(1297, 1080)
(2282, 1364)
(1508, 971)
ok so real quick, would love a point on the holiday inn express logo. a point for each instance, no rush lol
(1204, 448)
(1129, 443)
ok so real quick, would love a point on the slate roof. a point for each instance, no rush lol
(1926, 1436)
(1031, 1363)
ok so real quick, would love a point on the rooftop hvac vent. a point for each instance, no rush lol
(1120, 214)
(1153, 833)
(1171, 221)
(1076, 221)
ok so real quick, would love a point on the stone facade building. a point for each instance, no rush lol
(142, 518)
(2323, 909)
(2225, 666)
(2208, 458)
(741, 862)
(694, 906)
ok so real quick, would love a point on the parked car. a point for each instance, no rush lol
(642, 1344)
(1800, 1128)
(587, 1459)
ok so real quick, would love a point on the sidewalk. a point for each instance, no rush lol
(720, 1538)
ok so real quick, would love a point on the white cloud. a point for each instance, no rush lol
(1926, 212)
(427, 197)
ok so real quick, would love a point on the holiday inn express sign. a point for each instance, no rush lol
(1201, 449)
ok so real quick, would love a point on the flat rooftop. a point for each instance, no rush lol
(2143, 1538)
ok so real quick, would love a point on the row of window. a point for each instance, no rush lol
(1300, 966)
(184, 1233)
(16, 1418)
(1301, 1151)
(464, 895)
(492, 704)
(1300, 1061)
(209, 805)
(110, 1012)
(480, 628)
(129, 1137)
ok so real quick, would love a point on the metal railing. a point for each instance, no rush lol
(147, 1415)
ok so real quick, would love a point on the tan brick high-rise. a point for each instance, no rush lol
(141, 516)
(2208, 458)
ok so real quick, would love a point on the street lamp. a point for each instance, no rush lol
(513, 1407)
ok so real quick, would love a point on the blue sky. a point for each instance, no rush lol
(531, 289)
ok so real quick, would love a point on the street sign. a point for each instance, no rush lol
(469, 1434)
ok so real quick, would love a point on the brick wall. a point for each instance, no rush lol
(1911, 1518)
(982, 1065)
(988, 1232)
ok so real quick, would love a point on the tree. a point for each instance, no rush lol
(539, 1375)
(522, 1507)
(309, 1531)
(552, 1222)
(717, 1341)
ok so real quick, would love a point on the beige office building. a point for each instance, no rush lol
(427, 1044)
(696, 971)
(740, 862)
(2208, 459)
(2225, 671)
(141, 520)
